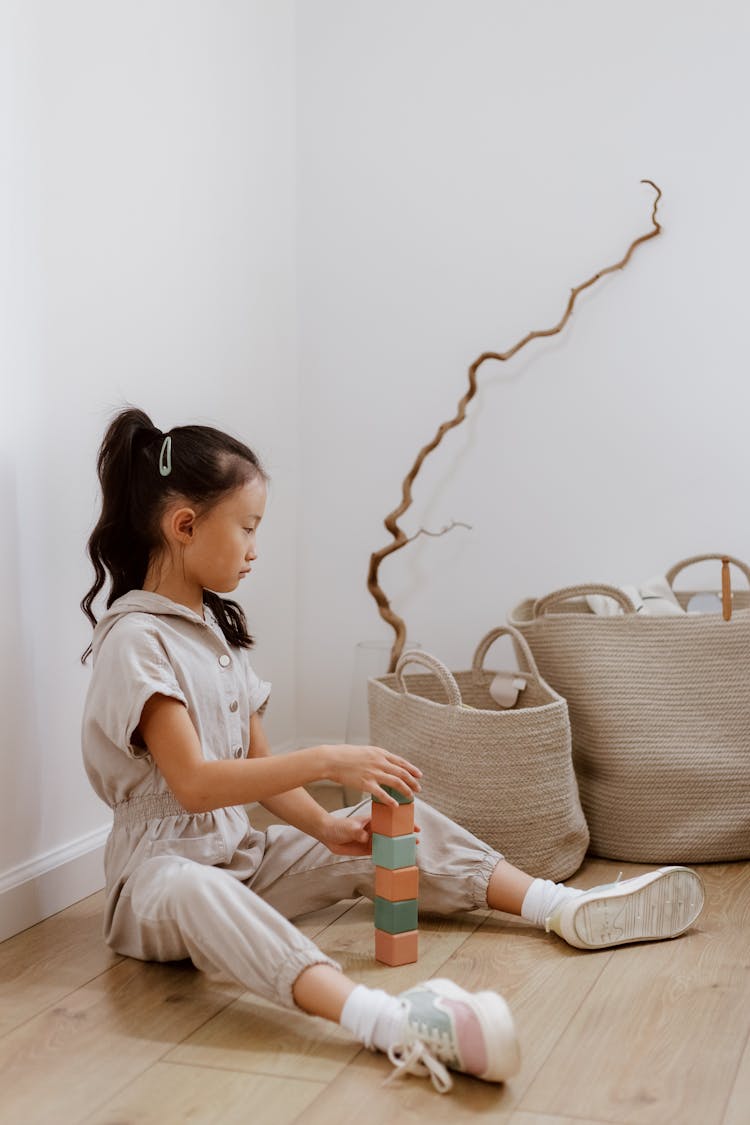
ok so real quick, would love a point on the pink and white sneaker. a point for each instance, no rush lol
(445, 1026)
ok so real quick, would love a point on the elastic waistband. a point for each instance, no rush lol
(154, 806)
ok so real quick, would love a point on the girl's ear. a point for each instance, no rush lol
(182, 524)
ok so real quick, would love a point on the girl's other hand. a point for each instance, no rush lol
(369, 768)
(351, 835)
(348, 835)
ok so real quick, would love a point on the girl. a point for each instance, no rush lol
(173, 741)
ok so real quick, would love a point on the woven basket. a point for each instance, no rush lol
(504, 774)
(660, 714)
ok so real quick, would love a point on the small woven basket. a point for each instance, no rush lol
(660, 715)
(505, 774)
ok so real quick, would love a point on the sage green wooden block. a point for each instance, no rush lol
(394, 851)
(395, 917)
(400, 797)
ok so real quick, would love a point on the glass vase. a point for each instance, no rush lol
(370, 659)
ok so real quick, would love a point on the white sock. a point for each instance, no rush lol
(543, 898)
(373, 1017)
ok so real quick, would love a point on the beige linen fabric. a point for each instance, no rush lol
(207, 885)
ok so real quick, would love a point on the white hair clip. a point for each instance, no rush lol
(165, 457)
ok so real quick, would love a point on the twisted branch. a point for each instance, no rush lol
(400, 538)
(436, 534)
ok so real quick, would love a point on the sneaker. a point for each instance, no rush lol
(660, 904)
(445, 1026)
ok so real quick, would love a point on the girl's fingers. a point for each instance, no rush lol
(398, 765)
(385, 798)
(407, 779)
(404, 764)
(397, 760)
(402, 786)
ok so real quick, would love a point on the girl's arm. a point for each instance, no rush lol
(200, 786)
(344, 835)
(296, 806)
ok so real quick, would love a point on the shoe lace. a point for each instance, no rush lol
(416, 1058)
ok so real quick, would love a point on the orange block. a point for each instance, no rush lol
(398, 885)
(396, 949)
(388, 821)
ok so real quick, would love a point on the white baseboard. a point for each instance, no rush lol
(34, 890)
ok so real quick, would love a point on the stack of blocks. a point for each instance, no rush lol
(394, 853)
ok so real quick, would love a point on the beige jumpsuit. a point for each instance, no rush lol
(207, 885)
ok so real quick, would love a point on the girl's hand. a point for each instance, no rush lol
(369, 768)
(351, 835)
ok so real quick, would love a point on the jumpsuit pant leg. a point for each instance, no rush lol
(173, 908)
(297, 874)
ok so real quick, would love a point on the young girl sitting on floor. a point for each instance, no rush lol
(173, 742)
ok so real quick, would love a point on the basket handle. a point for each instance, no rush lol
(542, 605)
(519, 643)
(675, 570)
(416, 656)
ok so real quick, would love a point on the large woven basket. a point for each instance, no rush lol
(660, 714)
(504, 774)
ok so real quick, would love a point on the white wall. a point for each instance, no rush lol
(461, 168)
(152, 261)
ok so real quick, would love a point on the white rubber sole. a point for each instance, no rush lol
(652, 907)
(498, 1028)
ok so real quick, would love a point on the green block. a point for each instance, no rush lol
(394, 851)
(395, 917)
(402, 800)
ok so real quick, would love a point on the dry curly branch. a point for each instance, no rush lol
(400, 538)
(436, 534)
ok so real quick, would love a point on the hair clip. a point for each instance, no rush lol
(165, 463)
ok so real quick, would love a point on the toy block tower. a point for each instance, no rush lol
(394, 853)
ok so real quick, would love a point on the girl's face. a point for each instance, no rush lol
(222, 543)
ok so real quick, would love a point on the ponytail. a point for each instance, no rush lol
(204, 464)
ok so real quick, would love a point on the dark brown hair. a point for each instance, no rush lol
(205, 465)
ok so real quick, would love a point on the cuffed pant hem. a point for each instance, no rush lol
(480, 878)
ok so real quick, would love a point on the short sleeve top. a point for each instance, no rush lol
(145, 645)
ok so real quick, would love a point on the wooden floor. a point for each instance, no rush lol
(643, 1035)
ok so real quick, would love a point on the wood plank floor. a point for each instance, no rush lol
(645, 1035)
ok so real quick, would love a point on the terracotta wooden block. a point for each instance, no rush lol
(396, 949)
(397, 885)
(392, 822)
